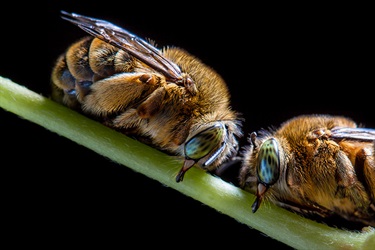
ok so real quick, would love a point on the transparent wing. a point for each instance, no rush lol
(128, 42)
(356, 134)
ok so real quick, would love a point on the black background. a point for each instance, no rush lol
(278, 62)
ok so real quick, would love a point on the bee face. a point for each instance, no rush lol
(316, 165)
(165, 97)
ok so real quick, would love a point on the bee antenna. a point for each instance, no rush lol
(253, 137)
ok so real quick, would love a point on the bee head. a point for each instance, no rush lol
(204, 147)
(268, 169)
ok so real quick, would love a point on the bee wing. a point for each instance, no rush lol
(357, 134)
(128, 42)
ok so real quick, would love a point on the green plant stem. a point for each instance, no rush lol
(277, 223)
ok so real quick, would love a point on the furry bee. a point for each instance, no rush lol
(318, 165)
(165, 97)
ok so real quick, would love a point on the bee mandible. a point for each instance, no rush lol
(318, 165)
(165, 97)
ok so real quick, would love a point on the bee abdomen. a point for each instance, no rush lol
(365, 171)
(77, 60)
(106, 60)
(85, 62)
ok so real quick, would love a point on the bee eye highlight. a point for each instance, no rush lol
(268, 166)
(204, 142)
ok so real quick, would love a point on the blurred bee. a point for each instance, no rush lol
(166, 98)
(317, 165)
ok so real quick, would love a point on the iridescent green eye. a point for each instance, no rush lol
(204, 142)
(268, 167)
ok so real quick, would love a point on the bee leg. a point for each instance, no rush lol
(149, 79)
(358, 181)
(363, 173)
(369, 175)
(126, 120)
(118, 92)
(152, 105)
(145, 110)
(313, 210)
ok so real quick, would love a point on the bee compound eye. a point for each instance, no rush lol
(201, 144)
(268, 165)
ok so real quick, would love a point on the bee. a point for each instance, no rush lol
(166, 97)
(318, 165)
